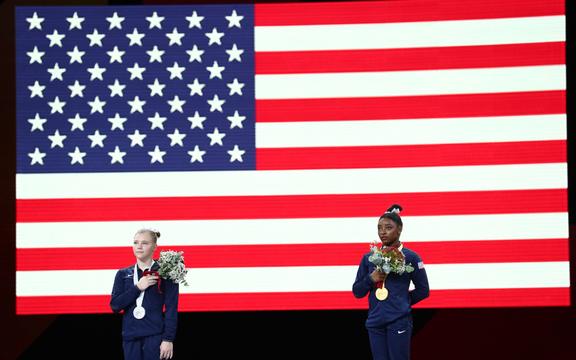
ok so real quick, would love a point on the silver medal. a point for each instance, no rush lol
(139, 312)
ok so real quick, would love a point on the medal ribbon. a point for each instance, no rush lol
(140, 298)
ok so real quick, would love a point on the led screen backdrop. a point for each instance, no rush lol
(265, 140)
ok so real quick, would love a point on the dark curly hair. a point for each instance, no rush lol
(393, 213)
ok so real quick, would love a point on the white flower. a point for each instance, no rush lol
(172, 266)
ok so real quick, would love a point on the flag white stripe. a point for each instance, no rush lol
(410, 35)
(294, 231)
(292, 182)
(411, 83)
(410, 132)
(301, 278)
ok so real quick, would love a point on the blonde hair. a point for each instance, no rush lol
(155, 234)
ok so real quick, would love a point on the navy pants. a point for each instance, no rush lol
(393, 341)
(144, 348)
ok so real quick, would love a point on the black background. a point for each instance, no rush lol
(514, 333)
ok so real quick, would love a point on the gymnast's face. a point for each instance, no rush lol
(143, 246)
(388, 231)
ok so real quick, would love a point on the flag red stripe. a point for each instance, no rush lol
(289, 206)
(529, 152)
(412, 107)
(396, 11)
(455, 57)
(302, 301)
(209, 256)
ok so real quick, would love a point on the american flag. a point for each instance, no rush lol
(265, 140)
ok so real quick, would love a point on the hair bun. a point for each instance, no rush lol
(394, 209)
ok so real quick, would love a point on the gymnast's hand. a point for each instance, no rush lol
(166, 350)
(378, 276)
(147, 281)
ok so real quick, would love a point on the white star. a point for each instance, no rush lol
(57, 139)
(77, 156)
(117, 122)
(176, 71)
(97, 139)
(136, 105)
(216, 137)
(155, 54)
(236, 154)
(55, 39)
(96, 72)
(76, 89)
(176, 138)
(75, 21)
(95, 38)
(196, 88)
(195, 20)
(136, 71)
(117, 156)
(215, 70)
(234, 54)
(156, 155)
(56, 72)
(37, 123)
(156, 88)
(135, 38)
(115, 55)
(235, 87)
(214, 37)
(137, 138)
(35, 23)
(234, 20)
(175, 37)
(216, 103)
(37, 156)
(176, 104)
(35, 55)
(36, 89)
(97, 105)
(115, 21)
(157, 122)
(76, 55)
(77, 122)
(196, 120)
(116, 89)
(195, 54)
(155, 20)
(57, 106)
(196, 154)
(236, 120)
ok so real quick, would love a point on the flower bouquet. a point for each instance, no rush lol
(171, 266)
(388, 259)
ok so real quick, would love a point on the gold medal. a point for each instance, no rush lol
(381, 293)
